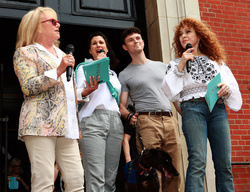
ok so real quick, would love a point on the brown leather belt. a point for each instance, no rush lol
(202, 99)
(156, 113)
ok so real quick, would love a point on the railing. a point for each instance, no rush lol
(240, 163)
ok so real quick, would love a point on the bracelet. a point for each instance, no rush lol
(129, 116)
(84, 97)
(227, 95)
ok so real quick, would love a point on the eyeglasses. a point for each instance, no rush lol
(53, 21)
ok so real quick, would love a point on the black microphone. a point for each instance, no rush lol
(188, 64)
(69, 50)
(101, 50)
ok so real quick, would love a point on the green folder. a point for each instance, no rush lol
(212, 89)
(97, 68)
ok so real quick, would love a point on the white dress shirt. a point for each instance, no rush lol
(100, 98)
(73, 130)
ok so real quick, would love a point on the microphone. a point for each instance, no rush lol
(69, 50)
(101, 50)
(188, 64)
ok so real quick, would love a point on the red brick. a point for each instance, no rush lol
(216, 20)
(228, 12)
(207, 5)
(243, 10)
(231, 24)
(242, 22)
(237, 159)
(242, 142)
(240, 5)
(246, 148)
(229, 21)
(207, 14)
(242, 14)
(239, 132)
(234, 148)
(227, 3)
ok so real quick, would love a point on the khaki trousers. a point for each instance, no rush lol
(162, 132)
(44, 152)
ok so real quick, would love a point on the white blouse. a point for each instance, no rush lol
(182, 86)
(100, 98)
(73, 129)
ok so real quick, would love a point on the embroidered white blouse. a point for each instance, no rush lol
(182, 86)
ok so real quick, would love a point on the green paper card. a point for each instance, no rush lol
(212, 89)
(97, 68)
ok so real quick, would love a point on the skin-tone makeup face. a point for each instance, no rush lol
(98, 43)
(188, 35)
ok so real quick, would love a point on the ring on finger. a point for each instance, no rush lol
(70, 60)
(91, 85)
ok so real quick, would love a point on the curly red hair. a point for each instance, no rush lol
(209, 43)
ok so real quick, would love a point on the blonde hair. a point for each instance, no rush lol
(28, 31)
(209, 44)
(57, 43)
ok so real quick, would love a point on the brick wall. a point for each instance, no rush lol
(230, 20)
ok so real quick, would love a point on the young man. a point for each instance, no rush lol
(141, 80)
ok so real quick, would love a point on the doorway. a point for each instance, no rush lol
(10, 91)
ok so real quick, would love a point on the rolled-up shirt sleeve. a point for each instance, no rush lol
(52, 74)
(172, 83)
(81, 85)
(234, 101)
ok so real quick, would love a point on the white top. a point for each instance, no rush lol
(100, 98)
(182, 86)
(73, 130)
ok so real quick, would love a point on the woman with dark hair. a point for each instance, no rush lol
(189, 88)
(111, 54)
(100, 123)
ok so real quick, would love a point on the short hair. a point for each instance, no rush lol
(209, 43)
(28, 31)
(13, 163)
(129, 31)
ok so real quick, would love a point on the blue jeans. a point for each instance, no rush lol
(198, 124)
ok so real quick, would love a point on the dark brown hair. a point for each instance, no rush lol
(129, 31)
(111, 54)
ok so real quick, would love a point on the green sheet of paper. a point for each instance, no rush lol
(97, 68)
(212, 89)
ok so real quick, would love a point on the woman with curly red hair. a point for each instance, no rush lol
(189, 88)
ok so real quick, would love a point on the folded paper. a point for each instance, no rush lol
(97, 68)
(212, 89)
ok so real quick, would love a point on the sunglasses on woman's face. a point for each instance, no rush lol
(53, 21)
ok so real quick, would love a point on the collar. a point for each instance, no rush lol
(58, 51)
(144, 169)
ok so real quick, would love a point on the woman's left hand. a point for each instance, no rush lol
(224, 90)
(92, 87)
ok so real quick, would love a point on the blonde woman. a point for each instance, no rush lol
(48, 121)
